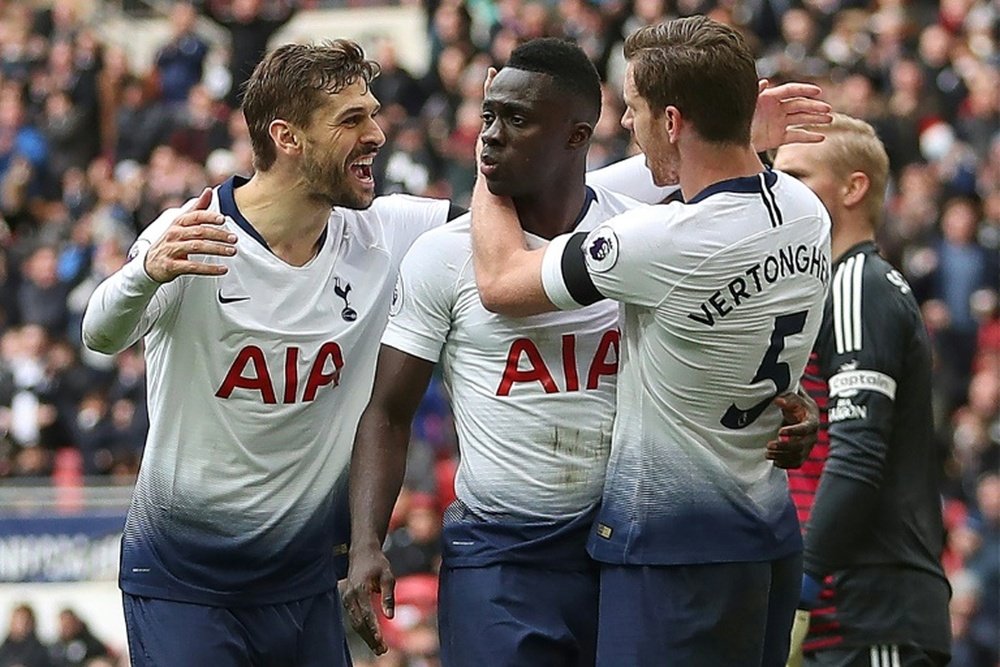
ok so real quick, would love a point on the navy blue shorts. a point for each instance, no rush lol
(510, 615)
(303, 633)
(706, 615)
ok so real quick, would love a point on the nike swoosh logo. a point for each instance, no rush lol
(231, 299)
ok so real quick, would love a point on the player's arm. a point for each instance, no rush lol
(378, 463)
(777, 120)
(508, 274)
(122, 308)
(861, 348)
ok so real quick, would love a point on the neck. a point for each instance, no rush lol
(713, 163)
(849, 230)
(290, 221)
(552, 210)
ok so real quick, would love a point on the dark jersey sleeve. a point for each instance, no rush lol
(861, 351)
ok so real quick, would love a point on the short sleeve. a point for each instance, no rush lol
(621, 260)
(631, 177)
(422, 302)
(406, 217)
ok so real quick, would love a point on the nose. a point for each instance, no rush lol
(492, 134)
(627, 120)
(374, 134)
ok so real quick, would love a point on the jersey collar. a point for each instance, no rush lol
(743, 184)
(865, 246)
(589, 198)
(227, 206)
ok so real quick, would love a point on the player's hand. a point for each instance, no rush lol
(369, 574)
(797, 437)
(491, 73)
(782, 110)
(197, 231)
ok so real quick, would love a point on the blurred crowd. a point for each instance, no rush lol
(75, 645)
(92, 148)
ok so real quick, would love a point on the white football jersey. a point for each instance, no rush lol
(722, 300)
(257, 380)
(533, 397)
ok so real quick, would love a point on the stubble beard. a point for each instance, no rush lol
(332, 185)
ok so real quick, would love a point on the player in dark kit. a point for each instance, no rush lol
(875, 530)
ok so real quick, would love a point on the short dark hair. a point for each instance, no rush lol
(291, 82)
(570, 68)
(702, 67)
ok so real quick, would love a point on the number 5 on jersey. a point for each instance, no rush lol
(770, 369)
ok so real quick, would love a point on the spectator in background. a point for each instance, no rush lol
(984, 628)
(180, 62)
(395, 85)
(76, 643)
(198, 129)
(41, 298)
(251, 24)
(961, 268)
(415, 548)
(22, 648)
(111, 80)
(23, 157)
(140, 123)
(67, 134)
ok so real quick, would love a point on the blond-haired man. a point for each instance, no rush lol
(873, 577)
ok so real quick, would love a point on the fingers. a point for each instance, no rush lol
(387, 584)
(195, 232)
(357, 605)
(187, 267)
(805, 106)
(192, 218)
(204, 200)
(787, 90)
(798, 135)
(762, 85)
(784, 456)
(490, 74)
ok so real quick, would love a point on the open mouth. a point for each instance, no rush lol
(362, 169)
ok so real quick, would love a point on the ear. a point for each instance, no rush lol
(284, 136)
(672, 123)
(580, 136)
(856, 189)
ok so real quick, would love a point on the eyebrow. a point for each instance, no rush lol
(510, 107)
(357, 108)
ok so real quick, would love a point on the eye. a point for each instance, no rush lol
(351, 121)
(487, 117)
(517, 121)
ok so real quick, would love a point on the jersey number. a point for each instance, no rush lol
(770, 369)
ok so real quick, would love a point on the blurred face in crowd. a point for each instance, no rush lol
(338, 147)
(526, 129)
(958, 222)
(22, 623)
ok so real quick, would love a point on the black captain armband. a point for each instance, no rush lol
(575, 274)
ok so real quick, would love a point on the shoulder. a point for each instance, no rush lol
(456, 236)
(441, 251)
(401, 205)
(867, 275)
(611, 202)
